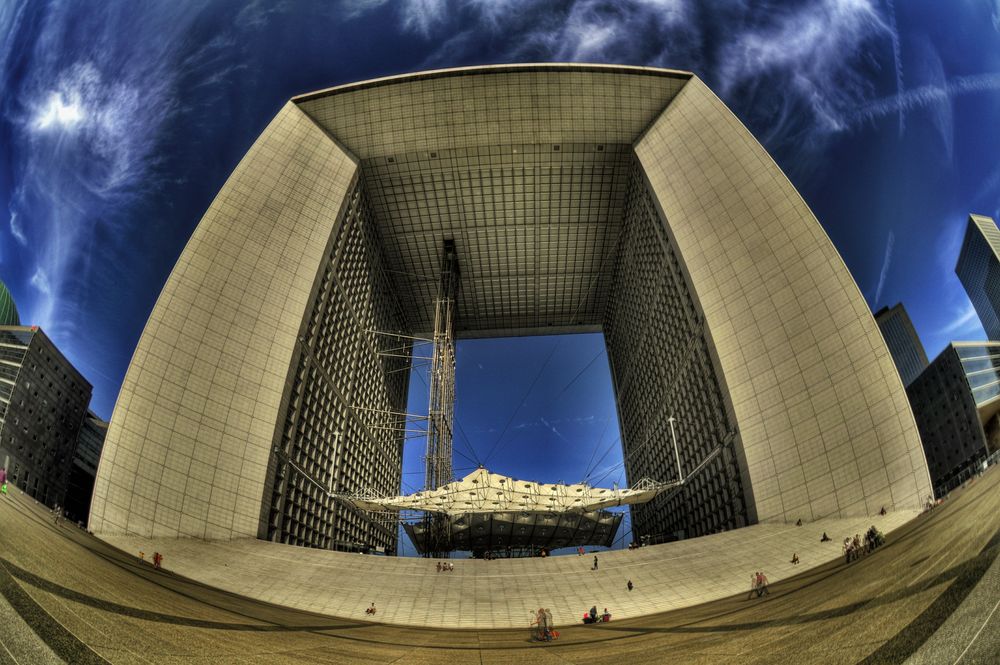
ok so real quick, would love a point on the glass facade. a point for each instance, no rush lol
(8, 311)
(981, 364)
(978, 268)
(901, 338)
(661, 367)
(342, 429)
(89, 443)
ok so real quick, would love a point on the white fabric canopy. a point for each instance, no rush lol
(485, 492)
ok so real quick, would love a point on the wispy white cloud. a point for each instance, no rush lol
(16, 230)
(552, 428)
(927, 95)
(423, 15)
(810, 51)
(897, 58)
(41, 282)
(353, 8)
(634, 31)
(886, 261)
(963, 320)
(59, 112)
(87, 129)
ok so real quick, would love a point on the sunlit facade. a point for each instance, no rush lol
(578, 198)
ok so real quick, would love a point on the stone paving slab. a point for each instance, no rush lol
(504, 593)
(880, 609)
(20, 645)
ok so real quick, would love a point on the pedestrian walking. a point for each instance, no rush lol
(629, 585)
(762, 585)
(541, 620)
(595, 562)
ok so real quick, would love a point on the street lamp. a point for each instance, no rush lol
(677, 456)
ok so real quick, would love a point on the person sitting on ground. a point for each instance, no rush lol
(825, 538)
(629, 585)
(798, 522)
(370, 610)
(593, 614)
(882, 512)
(606, 617)
(795, 559)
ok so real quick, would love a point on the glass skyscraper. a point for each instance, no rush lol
(978, 268)
(903, 342)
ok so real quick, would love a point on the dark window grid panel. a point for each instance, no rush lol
(315, 465)
(642, 254)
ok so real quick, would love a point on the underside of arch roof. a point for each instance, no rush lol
(525, 167)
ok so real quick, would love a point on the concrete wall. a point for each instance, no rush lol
(823, 417)
(192, 429)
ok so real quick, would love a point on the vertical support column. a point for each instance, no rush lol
(441, 403)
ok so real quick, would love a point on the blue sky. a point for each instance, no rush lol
(119, 121)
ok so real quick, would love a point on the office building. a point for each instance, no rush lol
(80, 488)
(901, 337)
(956, 402)
(574, 198)
(43, 400)
(978, 269)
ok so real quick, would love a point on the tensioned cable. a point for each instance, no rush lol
(583, 301)
(568, 385)
(597, 446)
(608, 472)
(521, 402)
(468, 443)
(591, 470)
(579, 374)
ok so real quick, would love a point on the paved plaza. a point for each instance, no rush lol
(929, 595)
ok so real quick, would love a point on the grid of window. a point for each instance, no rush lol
(904, 345)
(979, 271)
(43, 400)
(661, 367)
(523, 166)
(339, 432)
(535, 229)
(947, 416)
